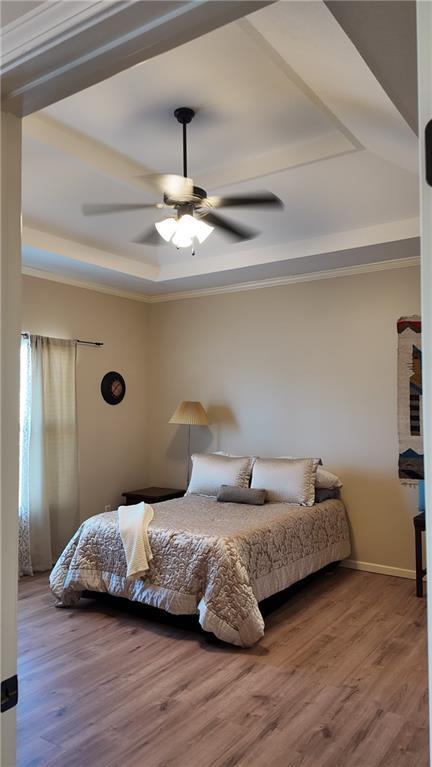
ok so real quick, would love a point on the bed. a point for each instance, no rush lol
(217, 560)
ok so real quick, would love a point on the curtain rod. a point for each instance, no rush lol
(89, 343)
(83, 343)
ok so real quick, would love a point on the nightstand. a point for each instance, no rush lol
(152, 495)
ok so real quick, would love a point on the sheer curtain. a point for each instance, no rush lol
(49, 512)
(25, 563)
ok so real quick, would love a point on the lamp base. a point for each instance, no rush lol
(188, 457)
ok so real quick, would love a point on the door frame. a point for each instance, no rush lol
(10, 327)
(424, 76)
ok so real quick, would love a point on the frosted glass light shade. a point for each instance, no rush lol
(191, 413)
(197, 228)
(166, 228)
(182, 231)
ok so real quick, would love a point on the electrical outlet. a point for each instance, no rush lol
(108, 507)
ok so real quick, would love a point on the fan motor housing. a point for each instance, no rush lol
(187, 200)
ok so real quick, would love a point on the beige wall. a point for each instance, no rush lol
(113, 440)
(306, 369)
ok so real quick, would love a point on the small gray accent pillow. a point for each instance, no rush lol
(325, 493)
(232, 494)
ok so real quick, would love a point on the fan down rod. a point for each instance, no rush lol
(184, 116)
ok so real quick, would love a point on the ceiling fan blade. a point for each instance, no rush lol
(170, 184)
(96, 209)
(150, 236)
(265, 198)
(235, 231)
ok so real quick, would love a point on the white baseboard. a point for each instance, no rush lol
(371, 567)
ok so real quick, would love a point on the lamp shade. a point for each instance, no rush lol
(191, 413)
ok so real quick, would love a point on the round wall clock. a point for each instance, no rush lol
(113, 388)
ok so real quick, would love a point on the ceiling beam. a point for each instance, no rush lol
(384, 33)
(325, 147)
(113, 164)
(92, 153)
(58, 49)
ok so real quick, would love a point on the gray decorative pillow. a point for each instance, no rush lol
(231, 494)
(325, 493)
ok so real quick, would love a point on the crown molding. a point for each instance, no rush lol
(48, 24)
(401, 229)
(97, 287)
(275, 282)
(344, 271)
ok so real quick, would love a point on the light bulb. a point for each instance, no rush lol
(186, 225)
(185, 232)
(166, 228)
(181, 240)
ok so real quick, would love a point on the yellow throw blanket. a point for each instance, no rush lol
(133, 524)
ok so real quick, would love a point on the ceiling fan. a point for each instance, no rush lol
(193, 217)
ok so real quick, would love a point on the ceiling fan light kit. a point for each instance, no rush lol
(191, 205)
(182, 231)
(166, 228)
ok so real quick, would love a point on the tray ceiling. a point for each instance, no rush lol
(284, 102)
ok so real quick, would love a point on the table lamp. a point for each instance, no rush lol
(189, 414)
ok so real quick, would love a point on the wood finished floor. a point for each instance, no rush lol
(339, 680)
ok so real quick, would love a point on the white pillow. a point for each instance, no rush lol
(209, 472)
(325, 479)
(252, 458)
(286, 480)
